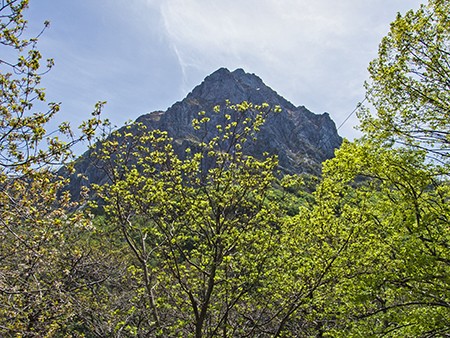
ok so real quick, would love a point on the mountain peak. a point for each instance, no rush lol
(238, 74)
(236, 86)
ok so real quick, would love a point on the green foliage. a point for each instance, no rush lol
(24, 141)
(395, 212)
(386, 196)
(45, 269)
(409, 81)
(198, 226)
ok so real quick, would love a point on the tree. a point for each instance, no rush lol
(388, 192)
(216, 252)
(395, 270)
(44, 266)
(200, 227)
(409, 85)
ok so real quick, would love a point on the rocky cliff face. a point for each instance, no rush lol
(302, 140)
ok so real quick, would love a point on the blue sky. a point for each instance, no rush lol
(144, 55)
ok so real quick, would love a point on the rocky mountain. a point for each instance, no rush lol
(301, 139)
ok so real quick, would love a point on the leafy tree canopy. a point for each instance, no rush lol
(389, 192)
(409, 87)
(43, 266)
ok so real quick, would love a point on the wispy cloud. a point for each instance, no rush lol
(314, 52)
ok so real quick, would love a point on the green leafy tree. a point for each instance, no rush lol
(200, 227)
(388, 193)
(45, 267)
(409, 85)
(395, 271)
